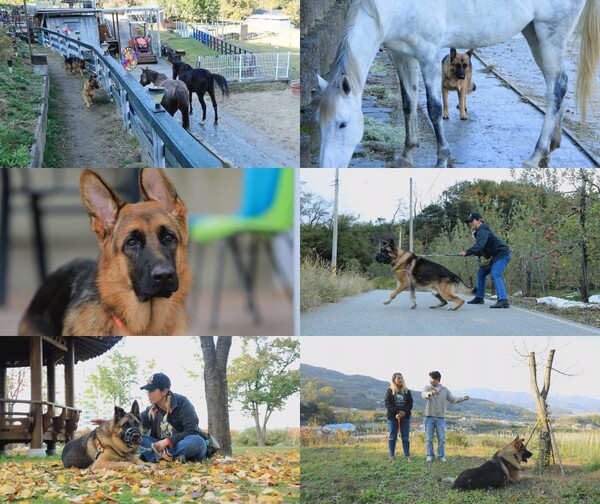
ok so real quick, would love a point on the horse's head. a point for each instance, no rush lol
(341, 122)
(146, 76)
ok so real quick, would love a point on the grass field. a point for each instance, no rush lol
(251, 475)
(21, 96)
(360, 472)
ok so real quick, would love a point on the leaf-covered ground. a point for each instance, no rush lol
(253, 477)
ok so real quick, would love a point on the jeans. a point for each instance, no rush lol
(193, 447)
(439, 424)
(496, 270)
(404, 431)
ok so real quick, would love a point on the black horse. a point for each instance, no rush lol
(199, 81)
(174, 99)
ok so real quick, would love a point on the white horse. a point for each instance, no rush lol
(414, 31)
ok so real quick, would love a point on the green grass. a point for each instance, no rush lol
(361, 473)
(57, 125)
(193, 49)
(21, 97)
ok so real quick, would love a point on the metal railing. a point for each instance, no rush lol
(253, 67)
(160, 136)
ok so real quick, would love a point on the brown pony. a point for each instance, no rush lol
(176, 97)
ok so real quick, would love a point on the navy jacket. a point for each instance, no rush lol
(182, 418)
(487, 244)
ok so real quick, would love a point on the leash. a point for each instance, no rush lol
(440, 255)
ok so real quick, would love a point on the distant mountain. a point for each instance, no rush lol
(367, 393)
(564, 405)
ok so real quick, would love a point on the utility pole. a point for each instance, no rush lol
(410, 219)
(335, 224)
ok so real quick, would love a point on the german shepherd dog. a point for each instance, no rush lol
(417, 273)
(73, 65)
(457, 75)
(139, 283)
(112, 445)
(503, 468)
(89, 87)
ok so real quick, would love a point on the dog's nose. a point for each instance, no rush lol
(163, 273)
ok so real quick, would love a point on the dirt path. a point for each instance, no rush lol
(92, 137)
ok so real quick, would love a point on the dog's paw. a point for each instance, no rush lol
(413, 307)
(454, 308)
(464, 118)
(387, 302)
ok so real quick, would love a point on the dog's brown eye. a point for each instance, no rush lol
(132, 242)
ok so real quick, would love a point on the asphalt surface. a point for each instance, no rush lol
(366, 315)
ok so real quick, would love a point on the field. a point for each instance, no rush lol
(252, 475)
(347, 471)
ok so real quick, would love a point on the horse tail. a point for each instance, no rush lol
(586, 87)
(222, 83)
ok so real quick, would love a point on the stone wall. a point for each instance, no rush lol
(321, 27)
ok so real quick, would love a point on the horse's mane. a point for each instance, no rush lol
(345, 64)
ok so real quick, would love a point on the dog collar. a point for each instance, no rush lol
(118, 322)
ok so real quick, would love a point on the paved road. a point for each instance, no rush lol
(366, 315)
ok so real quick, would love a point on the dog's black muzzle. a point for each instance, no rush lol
(383, 257)
(131, 436)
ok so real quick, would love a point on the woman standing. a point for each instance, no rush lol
(399, 403)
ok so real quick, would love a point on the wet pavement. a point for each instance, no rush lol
(502, 128)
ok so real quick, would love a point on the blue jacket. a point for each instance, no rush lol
(487, 244)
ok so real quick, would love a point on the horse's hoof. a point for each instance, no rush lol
(530, 164)
(403, 162)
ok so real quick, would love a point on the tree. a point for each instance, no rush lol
(238, 9)
(195, 10)
(16, 381)
(113, 381)
(215, 388)
(262, 378)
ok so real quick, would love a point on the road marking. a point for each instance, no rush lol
(555, 318)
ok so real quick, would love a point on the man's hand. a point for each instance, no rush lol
(432, 393)
(162, 444)
(462, 254)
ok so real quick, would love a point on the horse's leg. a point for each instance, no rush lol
(191, 91)
(432, 76)
(202, 104)
(211, 92)
(548, 48)
(407, 69)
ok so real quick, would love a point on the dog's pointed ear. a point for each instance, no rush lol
(156, 186)
(119, 413)
(135, 408)
(470, 52)
(101, 202)
(391, 242)
(452, 53)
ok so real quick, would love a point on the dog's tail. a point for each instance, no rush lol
(462, 288)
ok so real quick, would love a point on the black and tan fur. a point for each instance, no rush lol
(139, 284)
(112, 445)
(457, 75)
(417, 273)
(89, 87)
(73, 65)
(503, 468)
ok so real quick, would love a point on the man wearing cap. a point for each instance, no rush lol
(172, 424)
(488, 245)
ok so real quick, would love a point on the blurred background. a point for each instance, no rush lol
(241, 246)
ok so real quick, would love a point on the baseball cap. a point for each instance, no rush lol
(157, 381)
(473, 216)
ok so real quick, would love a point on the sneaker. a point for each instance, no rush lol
(181, 458)
(429, 459)
(392, 458)
(476, 300)
(501, 303)
(442, 459)
(408, 458)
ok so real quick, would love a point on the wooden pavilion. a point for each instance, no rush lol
(43, 420)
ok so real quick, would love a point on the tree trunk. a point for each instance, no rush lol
(585, 283)
(260, 433)
(542, 406)
(215, 387)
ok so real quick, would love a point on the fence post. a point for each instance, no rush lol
(240, 67)
(287, 65)
(277, 67)
(158, 151)
(124, 108)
